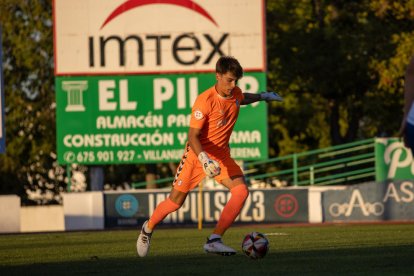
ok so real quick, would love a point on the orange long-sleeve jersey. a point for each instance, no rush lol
(216, 117)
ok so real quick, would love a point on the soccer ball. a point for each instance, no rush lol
(255, 245)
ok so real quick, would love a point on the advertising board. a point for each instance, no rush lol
(262, 206)
(110, 37)
(145, 119)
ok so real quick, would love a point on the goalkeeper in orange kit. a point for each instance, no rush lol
(207, 152)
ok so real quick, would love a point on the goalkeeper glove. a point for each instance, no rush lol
(270, 96)
(211, 167)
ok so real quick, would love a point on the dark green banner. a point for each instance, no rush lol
(392, 160)
(145, 119)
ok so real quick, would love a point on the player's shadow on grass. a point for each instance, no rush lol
(381, 260)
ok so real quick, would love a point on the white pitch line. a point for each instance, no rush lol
(276, 234)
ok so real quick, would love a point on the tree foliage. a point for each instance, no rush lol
(341, 66)
(29, 94)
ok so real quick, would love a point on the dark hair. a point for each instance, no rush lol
(229, 64)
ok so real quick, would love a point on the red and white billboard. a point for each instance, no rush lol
(107, 37)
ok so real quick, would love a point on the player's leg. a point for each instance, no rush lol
(169, 205)
(232, 178)
(231, 210)
(186, 178)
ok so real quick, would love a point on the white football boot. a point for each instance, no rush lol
(216, 246)
(144, 241)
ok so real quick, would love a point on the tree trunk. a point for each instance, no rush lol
(334, 123)
(151, 176)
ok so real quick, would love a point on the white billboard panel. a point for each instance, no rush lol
(106, 37)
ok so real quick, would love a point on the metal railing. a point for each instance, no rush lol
(343, 164)
(157, 181)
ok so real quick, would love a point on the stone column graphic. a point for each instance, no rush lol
(75, 98)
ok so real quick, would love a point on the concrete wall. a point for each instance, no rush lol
(9, 214)
(42, 218)
(80, 211)
(83, 211)
(315, 201)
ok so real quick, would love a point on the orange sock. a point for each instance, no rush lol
(232, 208)
(161, 211)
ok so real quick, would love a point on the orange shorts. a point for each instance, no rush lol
(190, 172)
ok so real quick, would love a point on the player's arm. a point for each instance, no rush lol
(194, 140)
(210, 167)
(250, 98)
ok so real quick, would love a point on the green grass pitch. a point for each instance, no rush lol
(375, 249)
